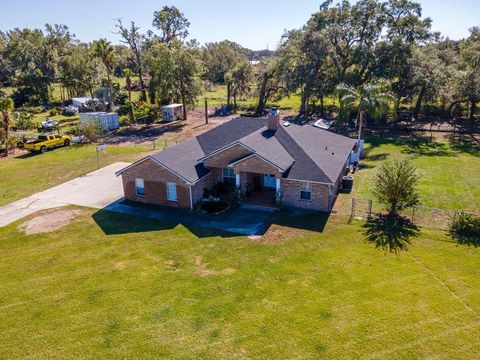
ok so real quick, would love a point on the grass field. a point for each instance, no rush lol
(218, 96)
(114, 286)
(24, 175)
(449, 171)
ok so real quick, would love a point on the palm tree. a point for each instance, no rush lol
(369, 99)
(105, 51)
(128, 73)
(6, 106)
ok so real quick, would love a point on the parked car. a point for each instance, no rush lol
(70, 110)
(45, 142)
(49, 124)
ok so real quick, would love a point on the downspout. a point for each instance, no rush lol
(330, 196)
(191, 199)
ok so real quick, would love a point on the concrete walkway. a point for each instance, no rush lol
(96, 190)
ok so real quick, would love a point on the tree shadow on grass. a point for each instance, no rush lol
(390, 233)
(467, 143)
(467, 240)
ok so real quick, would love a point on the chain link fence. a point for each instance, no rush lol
(363, 209)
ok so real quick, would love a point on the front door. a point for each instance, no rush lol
(269, 181)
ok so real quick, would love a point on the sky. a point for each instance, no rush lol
(256, 24)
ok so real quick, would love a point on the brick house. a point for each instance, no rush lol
(302, 166)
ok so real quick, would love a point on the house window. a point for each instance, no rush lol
(305, 191)
(171, 192)
(139, 187)
(229, 176)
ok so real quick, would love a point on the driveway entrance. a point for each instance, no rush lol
(96, 190)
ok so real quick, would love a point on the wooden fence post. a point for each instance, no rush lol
(352, 212)
(206, 111)
(369, 209)
(413, 213)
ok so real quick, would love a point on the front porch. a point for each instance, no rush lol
(264, 197)
(258, 189)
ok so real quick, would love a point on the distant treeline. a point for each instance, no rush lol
(369, 42)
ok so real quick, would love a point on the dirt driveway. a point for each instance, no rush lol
(171, 132)
(96, 190)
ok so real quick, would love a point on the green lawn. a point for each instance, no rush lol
(24, 175)
(218, 96)
(66, 123)
(449, 171)
(115, 286)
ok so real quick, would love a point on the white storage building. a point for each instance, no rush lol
(172, 112)
(106, 121)
(80, 101)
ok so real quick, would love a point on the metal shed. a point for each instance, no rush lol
(106, 121)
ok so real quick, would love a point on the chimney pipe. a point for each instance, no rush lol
(273, 119)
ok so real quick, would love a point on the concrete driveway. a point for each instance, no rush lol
(96, 190)
(101, 189)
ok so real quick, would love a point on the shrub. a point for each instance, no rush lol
(24, 121)
(151, 111)
(395, 185)
(91, 130)
(14, 142)
(121, 98)
(465, 228)
(214, 206)
(32, 109)
(124, 120)
(126, 109)
(53, 112)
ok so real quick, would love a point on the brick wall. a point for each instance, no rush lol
(155, 179)
(208, 182)
(225, 157)
(290, 190)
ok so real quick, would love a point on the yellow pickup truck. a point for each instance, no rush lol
(45, 142)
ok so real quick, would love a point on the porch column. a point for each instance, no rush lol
(237, 180)
(277, 187)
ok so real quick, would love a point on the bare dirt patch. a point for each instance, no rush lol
(118, 266)
(203, 271)
(172, 265)
(167, 133)
(49, 220)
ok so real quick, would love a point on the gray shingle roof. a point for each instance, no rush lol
(229, 132)
(182, 159)
(265, 144)
(304, 152)
(326, 150)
